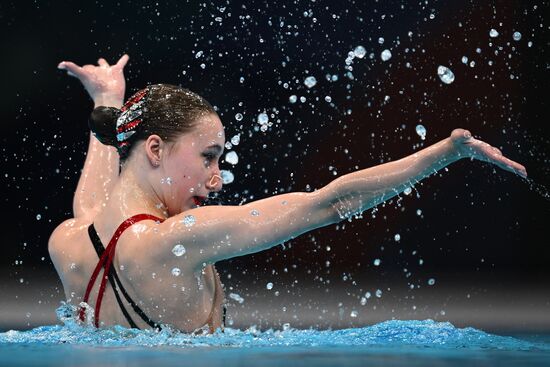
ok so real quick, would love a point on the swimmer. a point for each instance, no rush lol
(140, 250)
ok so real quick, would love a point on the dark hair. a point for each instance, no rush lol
(162, 109)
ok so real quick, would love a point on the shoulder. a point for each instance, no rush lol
(65, 235)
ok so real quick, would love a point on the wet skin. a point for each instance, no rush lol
(144, 257)
(165, 183)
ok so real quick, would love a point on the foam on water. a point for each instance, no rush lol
(426, 333)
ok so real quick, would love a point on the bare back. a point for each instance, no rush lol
(167, 294)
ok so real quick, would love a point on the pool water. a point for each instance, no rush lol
(390, 343)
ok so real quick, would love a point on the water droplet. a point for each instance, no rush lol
(359, 52)
(232, 158)
(167, 180)
(421, 131)
(431, 281)
(397, 237)
(72, 266)
(310, 81)
(328, 99)
(236, 297)
(227, 176)
(198, 54)
(176, 272)
(385, 55)
(464, 60)
(377, 262)
(378, 293)
(38, 217)
(353, 313)
(178, 250)
(516, 36)
(381, 40)
(188, 220)
(292, 98)
(445, 74)
(418, 212)
(363, 301)
(269, 285)
(263, 119)
(254, 212)
(238, 116)
(407, 191)
(235, 140)
(493, 33)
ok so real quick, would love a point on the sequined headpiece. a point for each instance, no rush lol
(131, 115)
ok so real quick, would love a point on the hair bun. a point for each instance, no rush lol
(102, 123)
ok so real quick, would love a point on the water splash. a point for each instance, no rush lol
(426, 333)
(538, 188)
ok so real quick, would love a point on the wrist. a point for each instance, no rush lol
(108, 101)
(452, 151)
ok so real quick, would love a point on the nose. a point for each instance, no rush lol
(215, 183)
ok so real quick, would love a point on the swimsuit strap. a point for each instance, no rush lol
(106, 261)
(115, 280)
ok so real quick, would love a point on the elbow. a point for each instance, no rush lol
(325, 209)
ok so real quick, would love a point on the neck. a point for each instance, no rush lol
(133, 195)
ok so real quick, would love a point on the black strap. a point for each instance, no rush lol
(223, 317)
(114, 280)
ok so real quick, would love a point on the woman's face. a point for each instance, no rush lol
(190, 167)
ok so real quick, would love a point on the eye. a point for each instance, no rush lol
(209, 156)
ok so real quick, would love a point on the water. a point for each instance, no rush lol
(445, 74)
(385, 55)
(411, 343)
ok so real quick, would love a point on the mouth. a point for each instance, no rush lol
(199, 200)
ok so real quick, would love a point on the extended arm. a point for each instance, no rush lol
(358, 191)
(215, 233)
(106, 86)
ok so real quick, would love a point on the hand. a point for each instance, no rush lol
(104, 83)
(468, 146)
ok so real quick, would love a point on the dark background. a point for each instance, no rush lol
(482, 234)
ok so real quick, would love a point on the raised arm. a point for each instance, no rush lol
(106, 86)
(214, 233)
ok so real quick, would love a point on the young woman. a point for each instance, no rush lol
(140, 251)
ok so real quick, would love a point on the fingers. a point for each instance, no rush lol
(121, 63)
(102, 62)
(511, 166)
(71, 68)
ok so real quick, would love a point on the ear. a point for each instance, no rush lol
(154, 148)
